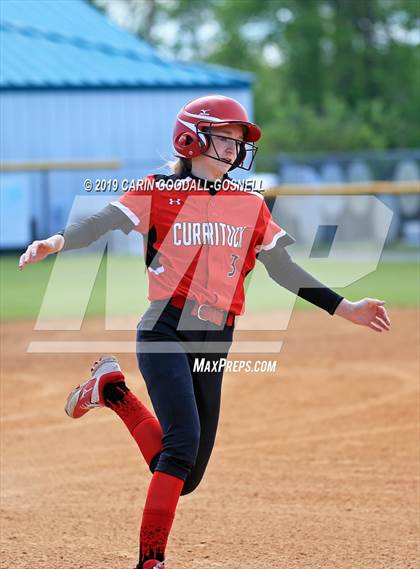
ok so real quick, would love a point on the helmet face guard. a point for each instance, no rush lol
(245, 151)
(196, 125)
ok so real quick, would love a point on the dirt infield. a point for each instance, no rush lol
(316, 466)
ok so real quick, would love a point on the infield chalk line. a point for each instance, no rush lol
(66, 347)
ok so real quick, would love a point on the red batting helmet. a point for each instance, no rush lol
(194, 122)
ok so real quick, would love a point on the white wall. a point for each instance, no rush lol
(133, 126)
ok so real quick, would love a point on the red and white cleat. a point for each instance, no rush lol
(153, 564)
(89, 394)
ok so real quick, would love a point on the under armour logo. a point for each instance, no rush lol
(176, 201)
(204, 112)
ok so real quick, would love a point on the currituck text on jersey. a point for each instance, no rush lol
(208, 233)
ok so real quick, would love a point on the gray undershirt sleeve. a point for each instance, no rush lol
(86, 231)
(285, 272)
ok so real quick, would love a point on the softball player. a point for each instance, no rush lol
(200, 243)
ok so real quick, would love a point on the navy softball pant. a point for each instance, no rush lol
(186, 402)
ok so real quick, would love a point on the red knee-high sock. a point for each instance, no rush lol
(158, 515)
(143, 426)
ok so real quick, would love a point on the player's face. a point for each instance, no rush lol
(224, 143)
(224, 148)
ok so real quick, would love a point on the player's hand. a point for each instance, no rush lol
(38, 250)
(368, 312)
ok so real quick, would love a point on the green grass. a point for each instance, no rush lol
(398, 283)
(22, 293)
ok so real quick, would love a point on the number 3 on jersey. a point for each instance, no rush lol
(232, 271)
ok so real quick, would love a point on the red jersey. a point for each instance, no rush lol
(200, 243)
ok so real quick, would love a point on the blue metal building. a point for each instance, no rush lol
(75, 88)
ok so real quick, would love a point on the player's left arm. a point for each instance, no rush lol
(283, 270)
(369, 312)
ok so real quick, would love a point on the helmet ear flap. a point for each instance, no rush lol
(184, 139)
(188, 144)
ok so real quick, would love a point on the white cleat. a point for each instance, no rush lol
(89, 395)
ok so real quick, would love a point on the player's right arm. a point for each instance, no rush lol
(79, 234)
(38, 250)
(130, 211)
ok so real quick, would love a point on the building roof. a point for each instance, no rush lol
(56, 44)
